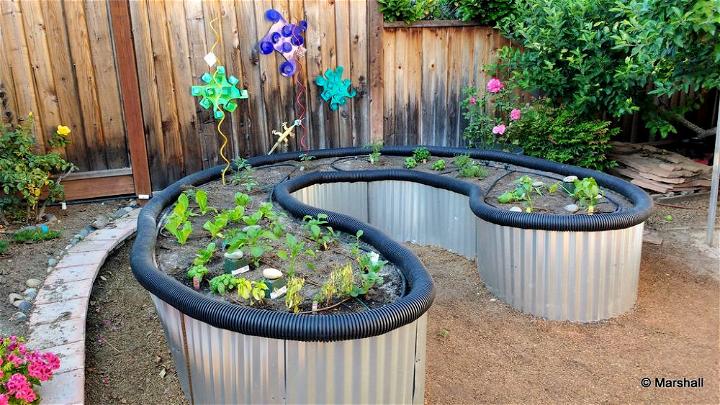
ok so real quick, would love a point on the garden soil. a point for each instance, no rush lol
(24, 261)
(479, 349)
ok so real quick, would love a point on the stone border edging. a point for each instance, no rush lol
(57, 321)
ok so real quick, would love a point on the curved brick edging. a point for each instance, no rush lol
(57, 322)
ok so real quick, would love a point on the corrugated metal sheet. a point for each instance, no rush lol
(344, 198)
(228, 367)
(576, 276)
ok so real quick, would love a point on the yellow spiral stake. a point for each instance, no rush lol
(222, 148)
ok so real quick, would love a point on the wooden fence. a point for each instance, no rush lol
(118, 73)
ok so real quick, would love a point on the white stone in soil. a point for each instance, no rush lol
(30, 293)
(516, 209)
(571, 208)
(272, 274)
(538, 184)
(12, 297)
(569, 179)
(33, 283)
(235, 255)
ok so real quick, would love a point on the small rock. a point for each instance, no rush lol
(50, 218)
(272, 274)
(163, 372)
(14, 297)
(571, 208)
(569, 179)
(516, 209)
(538, 184)
(30, 293)
(50, 269)
(33, 283)
(18, 317)
(236, 255)
(23, 305)
(52, 262)
(100, 222)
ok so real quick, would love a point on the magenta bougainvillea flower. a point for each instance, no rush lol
(495, 85)
(23, 369)
(473, 100)
(499, 129)
(515, 114)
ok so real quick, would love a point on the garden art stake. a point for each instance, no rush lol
(287, 39)
(218, 92)
(336, 90)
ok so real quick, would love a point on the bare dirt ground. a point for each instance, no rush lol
(479, 349)
(24, 261)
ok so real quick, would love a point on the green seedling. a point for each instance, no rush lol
(243, 175)
(587, 193)
(223, 283)
(216, 226)
(340, 284)
(201, 199)
(3, 246)
(197, 273)
(203, 256)
(421, 154)
(253, 291)
(525, 189)
(410, 162)
(293, 298)
(181, 231)
(254, 241)
(314, 228)
(668, 218)
(374, 157)
(461, 161)
(473, 170)
(370, 266)
(294, 248)
(254, 219)
(242, 199)
(439, 165)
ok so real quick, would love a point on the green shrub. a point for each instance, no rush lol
(558, 134)
(34, 234)
(604, 55)
(408, 11)
(3, 246)
(25, 175)
(486, 12)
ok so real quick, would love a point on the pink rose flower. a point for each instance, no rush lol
(515, 114)
(494, 85)
(3, 399)
(499, 129)
(473, 100)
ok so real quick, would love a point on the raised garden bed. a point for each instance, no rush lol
(547, 262)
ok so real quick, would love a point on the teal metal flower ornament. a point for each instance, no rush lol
(219, 92)
(336, 90)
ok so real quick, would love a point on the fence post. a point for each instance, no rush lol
(130, 90)
(375, 59)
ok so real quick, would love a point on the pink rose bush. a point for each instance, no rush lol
(22, 369)
(489, 115)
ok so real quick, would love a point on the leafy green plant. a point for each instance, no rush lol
(614, 56)
(439, 165)
(253, 240)
(370, 266)
(243, 175)
(222, 283)
(294, 248)
(587, 193)
(25, 175)
(177, 222)
(408, 11)
(242, 199)
(201, 199)
(558, 134)
(410, 162)
(486, 12)
(216, 226)
(293, 298)
(252, 219)
(374, 156)
(203, 256)
(314, 227)
(196, 274)
(3, 246)
(467, 167)
(340, 284)
(253, 291)
(525, 189)
(34, 234)
(421, 154)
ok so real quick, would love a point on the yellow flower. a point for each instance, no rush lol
(63, 130)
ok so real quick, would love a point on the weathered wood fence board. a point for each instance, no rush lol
(425, 72)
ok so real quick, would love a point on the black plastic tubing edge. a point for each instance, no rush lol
(420, 291)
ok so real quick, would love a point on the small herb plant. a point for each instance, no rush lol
(370, 266)
(587, 193)
(340, 284)
(410, 162)
(252, 291)
(467, 167)
(374, 157)
(314, 227)
(177, 222)
(439, 165)
(196, 274)
(421, 154)
(293, 298)
(294, 248)
(203, 256)
(525, 188)
(243, 175)
(253, 239)
(223, 283)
